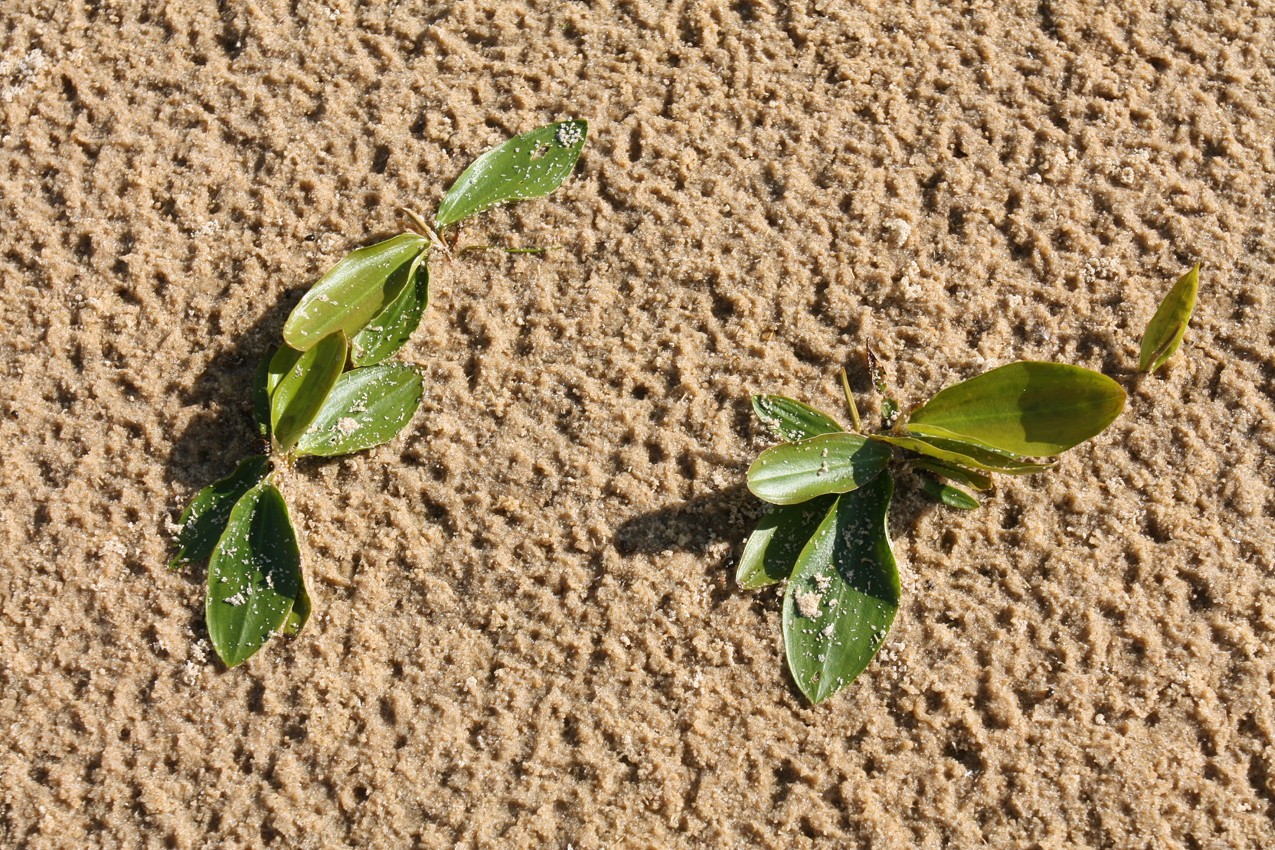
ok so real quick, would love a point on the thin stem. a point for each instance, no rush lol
(854, 410)
(473, 248)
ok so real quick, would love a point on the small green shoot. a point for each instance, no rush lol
(829, 538)
(328, 391)
(1167, 327)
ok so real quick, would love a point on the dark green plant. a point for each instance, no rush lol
(829, 536)
(327, 390)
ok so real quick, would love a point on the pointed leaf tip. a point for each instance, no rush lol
(1167, 327)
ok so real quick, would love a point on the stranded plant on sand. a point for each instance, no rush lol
(330, 390)
(829, 538)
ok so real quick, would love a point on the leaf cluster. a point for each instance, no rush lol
(330, 389)
(828, 536)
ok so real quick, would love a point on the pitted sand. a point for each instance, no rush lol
(525, 630)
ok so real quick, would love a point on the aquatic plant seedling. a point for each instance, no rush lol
(327, 390)
(829, 536)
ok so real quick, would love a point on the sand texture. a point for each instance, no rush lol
(527, 632)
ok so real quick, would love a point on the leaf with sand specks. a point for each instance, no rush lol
(354, 291)
(205, 518)
(772, 549)
(526, 166)
(965, 455)
(254, 577)
(1167, 327)
(368, 406)
(390, 329)
(830, 463)
(843, 593)
(1028, 409)
(791, 420)
(304, 383)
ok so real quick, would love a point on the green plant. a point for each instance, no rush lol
(328, 391)
(828, 535)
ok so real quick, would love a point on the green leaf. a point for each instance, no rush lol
(831, 463)
(304, 383)
(946, 494)
(526, 166)
(1027, 408)
(968, 477)
(772, 549)
(300, 613)
(965, 454)
(843, 594)
(262, 384)
(206, 516)
(353, 291)
(1168, 325)
(368, 406)
(254, 577)
(791, 420)
(387, 332)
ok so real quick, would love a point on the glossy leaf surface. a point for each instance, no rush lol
(831, 463)
(390, 329)
(969, 477)
(205, 518)
(303, 384)
(254, 577)
(772, 549)
(367, 407)
(965, 454)
(843, 593)
(945, 494)
(526, 166)
(353, 292)
(1027, 408)
(1165, 330)
(791, 420)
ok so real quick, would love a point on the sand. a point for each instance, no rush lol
(527, 633)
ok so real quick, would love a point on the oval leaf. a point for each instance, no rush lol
(304, 383)
(353, 291)
(367, 407)
(968, 477)
(526, 166)
(1168, 325)
(843, 594)
(945, 494)
(387, 332)
(965, 454)
(772, 549)
(254, 577)
(831, 463)
(791, 420)
(205, 518)
(1027, 408)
